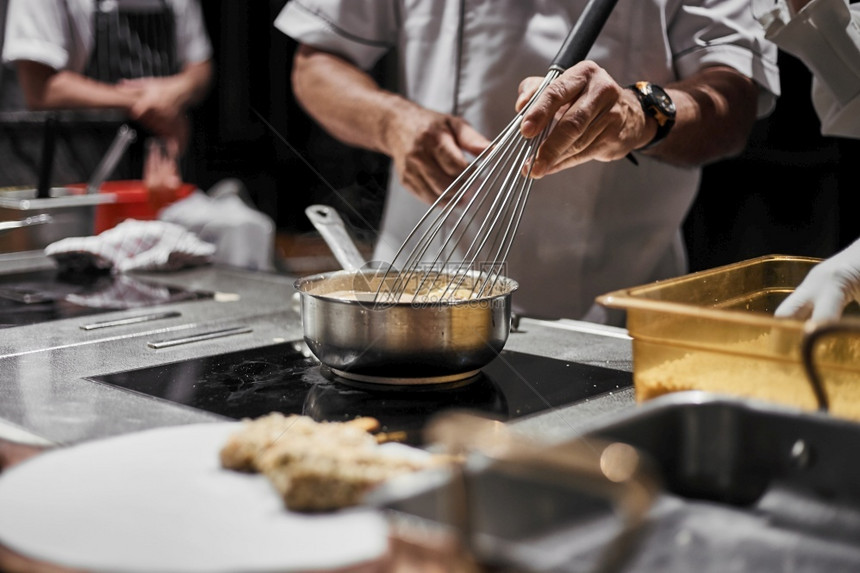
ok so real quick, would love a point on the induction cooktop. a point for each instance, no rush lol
(46, 295)
(287, 378)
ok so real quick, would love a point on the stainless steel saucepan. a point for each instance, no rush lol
(400, 343)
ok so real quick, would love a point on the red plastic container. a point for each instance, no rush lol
(133, 201)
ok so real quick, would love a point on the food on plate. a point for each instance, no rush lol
(319, 466)
(244, 448)
(331, 476)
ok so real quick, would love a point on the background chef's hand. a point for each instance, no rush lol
(161, 171)
(159, 105)
(429, 150)
(827, 289)
(596, 119)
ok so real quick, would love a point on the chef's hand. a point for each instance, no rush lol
(596, 119)
(161, 175)
(827, 289)
(12, 453)
(430, 150)
(158, 104)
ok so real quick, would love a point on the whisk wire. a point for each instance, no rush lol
(459, 229)
(498, 214)
(495, 186)
(442, 208)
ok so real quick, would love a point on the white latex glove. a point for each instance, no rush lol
(827, 289)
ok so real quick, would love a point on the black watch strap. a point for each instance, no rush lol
(655, 103)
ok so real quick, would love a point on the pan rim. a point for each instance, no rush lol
(302, 285)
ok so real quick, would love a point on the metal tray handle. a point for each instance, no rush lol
(813, 333)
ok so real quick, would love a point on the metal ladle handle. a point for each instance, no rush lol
(125, 136)
(329, 224)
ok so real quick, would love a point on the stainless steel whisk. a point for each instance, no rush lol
(488, 198)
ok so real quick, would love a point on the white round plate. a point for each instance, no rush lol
(159, 500)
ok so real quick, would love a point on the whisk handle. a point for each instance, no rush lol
(581, 37)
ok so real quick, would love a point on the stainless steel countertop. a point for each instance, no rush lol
(47, 398)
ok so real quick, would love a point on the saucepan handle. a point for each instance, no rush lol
(330, 225)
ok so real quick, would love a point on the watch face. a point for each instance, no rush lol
(662, 99)
(657, 104)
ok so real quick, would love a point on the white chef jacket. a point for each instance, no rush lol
(825, 36)
(59, 33)
(590, 229)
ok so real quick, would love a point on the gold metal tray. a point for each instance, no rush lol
(715, 331)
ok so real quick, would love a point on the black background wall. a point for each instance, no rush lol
(792, 191)
(250, 127)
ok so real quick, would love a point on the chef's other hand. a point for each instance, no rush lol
(827, 289)
(158, 105)
(596, 119)
(430, 150)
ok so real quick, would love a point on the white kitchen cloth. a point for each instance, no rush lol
(135, 245)
(122, 293)
(243, 236)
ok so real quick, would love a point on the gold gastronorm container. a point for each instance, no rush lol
(714, 330)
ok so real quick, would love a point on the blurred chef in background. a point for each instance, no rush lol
(825, 36)
(600, 225)
(149, 58)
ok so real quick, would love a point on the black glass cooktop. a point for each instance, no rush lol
(287, 378)
(41, 296)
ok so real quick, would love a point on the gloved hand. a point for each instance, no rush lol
(827, 289)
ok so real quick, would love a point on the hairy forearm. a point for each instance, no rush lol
(46, 89)
(192, 83)
(716, 110)
(346, 101)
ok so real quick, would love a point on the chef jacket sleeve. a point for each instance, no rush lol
(707, 33)
(38, 31)
(192, 41)
(361, 31)
(825, 36)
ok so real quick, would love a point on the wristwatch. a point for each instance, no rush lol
(657, 104)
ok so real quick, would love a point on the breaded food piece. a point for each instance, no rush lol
(245, 446)
(328, 469)
(325, 439)
(366, 423)
(317, 466)
(334, 480)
